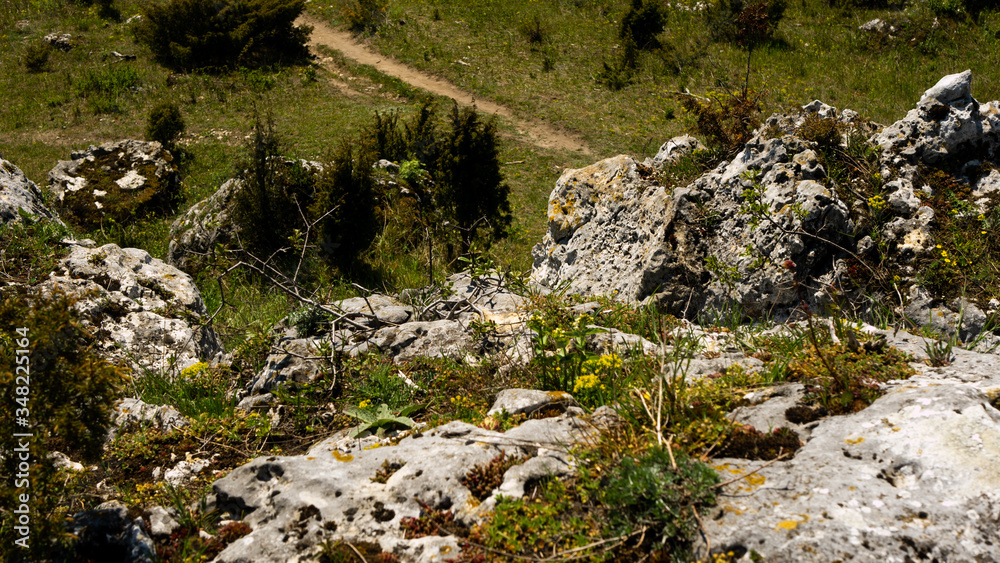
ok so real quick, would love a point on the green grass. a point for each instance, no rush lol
(817, 54)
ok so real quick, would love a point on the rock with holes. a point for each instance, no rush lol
(115, 183)
(346, 490)
(146, 314)
(19, 195)
(912, 477)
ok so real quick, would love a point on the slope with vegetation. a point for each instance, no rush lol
(348, 179)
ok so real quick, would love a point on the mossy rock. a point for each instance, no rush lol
(121, 181)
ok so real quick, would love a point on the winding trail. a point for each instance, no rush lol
(539, 134)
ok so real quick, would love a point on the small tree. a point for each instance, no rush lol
(471, 190)
(346, 194)
(748, 23)
(190, 34)
(165, 124)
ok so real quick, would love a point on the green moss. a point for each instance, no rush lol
(153, 197)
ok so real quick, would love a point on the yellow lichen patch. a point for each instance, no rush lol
(559, 396)
(730, 509)
(792, 524)
(855, 441)
(310, 458)
(756, 479)
(341, 457)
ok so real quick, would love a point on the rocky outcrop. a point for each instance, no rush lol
(146, 314)
(912, 477)
(613, 231)
(770, 229)
(347, 490)
(431, 324)
(19, 194)
(119, 181)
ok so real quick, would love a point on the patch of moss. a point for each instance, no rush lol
(87, 210)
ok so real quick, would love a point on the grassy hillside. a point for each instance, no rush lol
(542, 57)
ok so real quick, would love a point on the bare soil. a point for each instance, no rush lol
(540, 134)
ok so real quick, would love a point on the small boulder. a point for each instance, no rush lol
(119, 181)
(17, 194)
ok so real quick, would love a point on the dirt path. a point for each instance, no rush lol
(540, 134)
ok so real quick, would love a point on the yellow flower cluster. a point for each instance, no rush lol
(463, 402)
(604, 363)
(585, 382)
(194, 370)
(364, 404)
(876, 203)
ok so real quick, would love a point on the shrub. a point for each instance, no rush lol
(346, 190)
(660, 491)
(725, 120)
(748, 23)
(366, 16)
(643, 22)
(36, 57)
(68, 394)
(187, 34)
(165, 123)
(472, 192)
(275, 193)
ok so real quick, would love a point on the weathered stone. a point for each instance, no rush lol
(295, 503)
(146, 313)
(115, 181)
(913, 475)
(527, 401)
(131, 414)
(612, 232)
(161, 523)
(614, 341)
(674, 150)
(107, 534)
(185, 471)
(297, 360)
(17, 194)
(436, 339)
(952, 89)
(61, 41)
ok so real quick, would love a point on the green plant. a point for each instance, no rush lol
(381, 419)
(662, 491)
(939, 351)
(643, 22)
(198, 391)
(726, 120)
(165, 124)
(472, 192)
(481, 480)
(107, 87)
(61, 395)
(366, 16)
(36, 57)
(189, 34)
(346, 196)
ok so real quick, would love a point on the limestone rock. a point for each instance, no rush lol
(161, 522)
(613, 232)
(133, 413)
(117, 181)
(205, 224)
(61, 41)
(145, 312)
(674, 150)
(295, 503)
(18, 193)
(952, 89)
(108, 534)
(527, 401)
